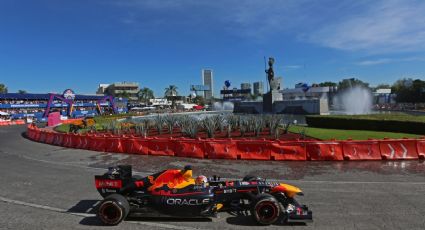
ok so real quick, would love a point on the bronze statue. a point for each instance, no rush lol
(270, 72)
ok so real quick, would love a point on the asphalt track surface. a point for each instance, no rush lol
(51, 187)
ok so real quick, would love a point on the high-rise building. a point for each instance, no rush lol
(207, 80)
(258, 88)
(246, 86)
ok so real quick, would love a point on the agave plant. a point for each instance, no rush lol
(140, 129)
(243, 125)
(159, 123)
(189, 126)
(274, 125)
(221, 122)
(210, 124)
(257, 124)
(170, 121)
(233, 121)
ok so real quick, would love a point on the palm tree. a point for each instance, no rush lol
(145, 94)
(3, 88)
(171, 94)
(171, 91)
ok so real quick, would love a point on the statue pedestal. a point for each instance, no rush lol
(269, 99)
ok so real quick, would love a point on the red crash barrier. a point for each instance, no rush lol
(221, 149)
(162, 147)
(190, 148)
(67, 140)
(327, 151)
(15, 122)
(253, 149)
(42, 137)
(420, 144)
(403, 149)
(288, 150)
(134, 145)
(361, 150)
(98, 143)
(37, 134)
(140, 145)
(75, 139)
(113, 145)
(30, 132)
(49, 137)
(58, 140)
(83, 141)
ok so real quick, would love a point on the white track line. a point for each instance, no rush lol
(59, 210)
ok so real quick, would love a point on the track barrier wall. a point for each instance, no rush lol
(245, 149)
(398, 149)
(15, 122)
(253, 149)
(220, 149)
(361, 150)
(161, 146)
(288, 150)
(420, 144)
(190, 148)
(324, 151)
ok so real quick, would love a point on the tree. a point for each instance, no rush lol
(22, 91)
(253, 96)
(199, 100)
(171, 91)
(383, 86)
(351, 83)
(145, 94)
(328, 83)
(3, 88)
(409, 90)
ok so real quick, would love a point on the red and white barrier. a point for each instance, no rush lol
(245, 149)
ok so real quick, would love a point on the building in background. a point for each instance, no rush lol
(207, 80)
(246, 86)
(102, 89)
(258, 88)
(383, 96)
(129, 90)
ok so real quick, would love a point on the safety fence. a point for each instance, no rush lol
(14, 122)
(246, 149)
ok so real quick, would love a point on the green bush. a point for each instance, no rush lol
(402, 123)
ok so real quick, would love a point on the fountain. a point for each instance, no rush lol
(222, 106)
(355, 100)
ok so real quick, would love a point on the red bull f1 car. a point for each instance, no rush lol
(174, 193)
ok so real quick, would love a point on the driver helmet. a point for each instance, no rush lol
(201, 180)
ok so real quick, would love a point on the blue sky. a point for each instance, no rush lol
(47, 46)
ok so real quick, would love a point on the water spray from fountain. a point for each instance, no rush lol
(222, 106)
(354, 100)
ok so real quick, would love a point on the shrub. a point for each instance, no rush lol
(396, 123)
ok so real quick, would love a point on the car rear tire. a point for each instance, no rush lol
(113, 209)
(265, 209)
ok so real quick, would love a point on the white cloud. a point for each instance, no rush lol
(384, 27)
(379, 26)
(389, 60)
(292, 66)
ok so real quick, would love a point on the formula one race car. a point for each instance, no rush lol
(174, 193)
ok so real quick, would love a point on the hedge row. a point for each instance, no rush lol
(363, 123)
